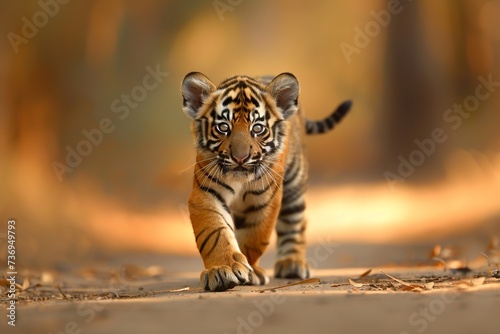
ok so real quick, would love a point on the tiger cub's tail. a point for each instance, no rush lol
(325, 125)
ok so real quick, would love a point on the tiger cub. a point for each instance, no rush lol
(250, 175)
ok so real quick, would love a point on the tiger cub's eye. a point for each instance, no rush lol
(222, 128)
(258, 129)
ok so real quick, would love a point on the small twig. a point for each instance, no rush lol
(180, 289)
(62, 293)
(427, 286)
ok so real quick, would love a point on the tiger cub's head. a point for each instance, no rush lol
(240, 124)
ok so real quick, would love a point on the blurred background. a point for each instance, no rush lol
(96, 155)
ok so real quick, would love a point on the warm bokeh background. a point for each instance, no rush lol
(130, 192)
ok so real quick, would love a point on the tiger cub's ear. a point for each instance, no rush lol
(196, 87)
(285, 90)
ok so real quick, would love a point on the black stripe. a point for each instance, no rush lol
(290, 251)
(289, 240)
(293, 209)
(227, 83)
(291, 221)
(254, 208)
(240, 222)
(214, 244)
(321, 127)
(329, 122)
(309, 127)
(225, 114)
(208, 237)
(290, 195)
(285, 233)
(214, 194)
(292, 172)
(254, 84)
(212, 142)
(199, 130)
(253, 93)
(276, 129)
(226, 93)
(344, 108)
(337, 117)
(272, 147)
(222, 216)
(201, 232)
(256, 192)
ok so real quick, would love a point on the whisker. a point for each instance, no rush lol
(275, 173)
(194, 164)
(269, 171)
(204, 173)
(276, 163)
(262, 180)
(208, 175)
(206, 167)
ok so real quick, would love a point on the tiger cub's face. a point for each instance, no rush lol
(240, 126)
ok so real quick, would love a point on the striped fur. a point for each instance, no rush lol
(250, 175)
(327, 124)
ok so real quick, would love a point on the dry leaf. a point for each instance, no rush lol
(413, 288)
(366, 273)
(429, 285)
(356, 284)
(306, 281)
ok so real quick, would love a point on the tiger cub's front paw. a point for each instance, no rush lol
(258, 276)
(227, 276)
(291, 267)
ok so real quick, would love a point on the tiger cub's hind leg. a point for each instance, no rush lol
(291, 225)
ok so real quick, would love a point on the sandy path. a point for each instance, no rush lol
(307, 309)
(134, 294)
(310, 308)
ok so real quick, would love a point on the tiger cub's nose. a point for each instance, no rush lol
(240, 158)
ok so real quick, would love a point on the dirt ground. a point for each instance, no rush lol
(405, 292)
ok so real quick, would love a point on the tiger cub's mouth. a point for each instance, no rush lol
(239, 170)
(244, 170)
